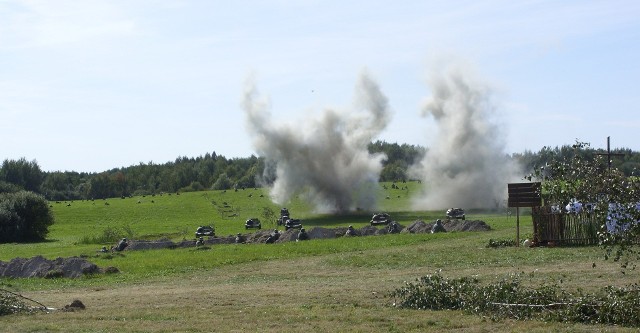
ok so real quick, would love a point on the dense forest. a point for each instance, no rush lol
(213, 171)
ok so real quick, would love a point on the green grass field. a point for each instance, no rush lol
(177, 216)
(333, 284)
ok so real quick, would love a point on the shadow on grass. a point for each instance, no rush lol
(33, 241)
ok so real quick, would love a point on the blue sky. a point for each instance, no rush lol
(92, 85)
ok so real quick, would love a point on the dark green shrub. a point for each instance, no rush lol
(24, 216)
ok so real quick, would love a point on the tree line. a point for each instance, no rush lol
(213, 171)
(25, 189)
(628, 164)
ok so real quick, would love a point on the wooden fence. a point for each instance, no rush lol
(554, 228)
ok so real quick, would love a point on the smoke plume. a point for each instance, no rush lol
(325, 159)
(466, 166)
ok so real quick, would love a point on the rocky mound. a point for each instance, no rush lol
(38, 266)
(418, 227)
(449, 225)
(323, 233)
(456, 225)
(150, 245)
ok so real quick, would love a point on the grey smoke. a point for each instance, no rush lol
(466, 166)
(326, 158)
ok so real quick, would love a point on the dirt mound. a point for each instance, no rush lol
(369, 230)
(150, 245)
(258, 236)
(221, 240)
(322, 233)
(449, 225)
(38, 266)
(468, 225)
(261, 236)
(74, 306)
(288, 236)
(418, 227)
(167, 244)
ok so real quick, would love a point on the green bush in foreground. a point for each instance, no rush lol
(24, 216)
(508, 298)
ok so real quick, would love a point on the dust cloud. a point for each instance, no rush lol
(324, 159)
(466, 166)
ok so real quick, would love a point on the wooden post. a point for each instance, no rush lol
(609, 153)
(517, 226)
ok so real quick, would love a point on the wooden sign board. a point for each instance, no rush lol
(524, 195)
